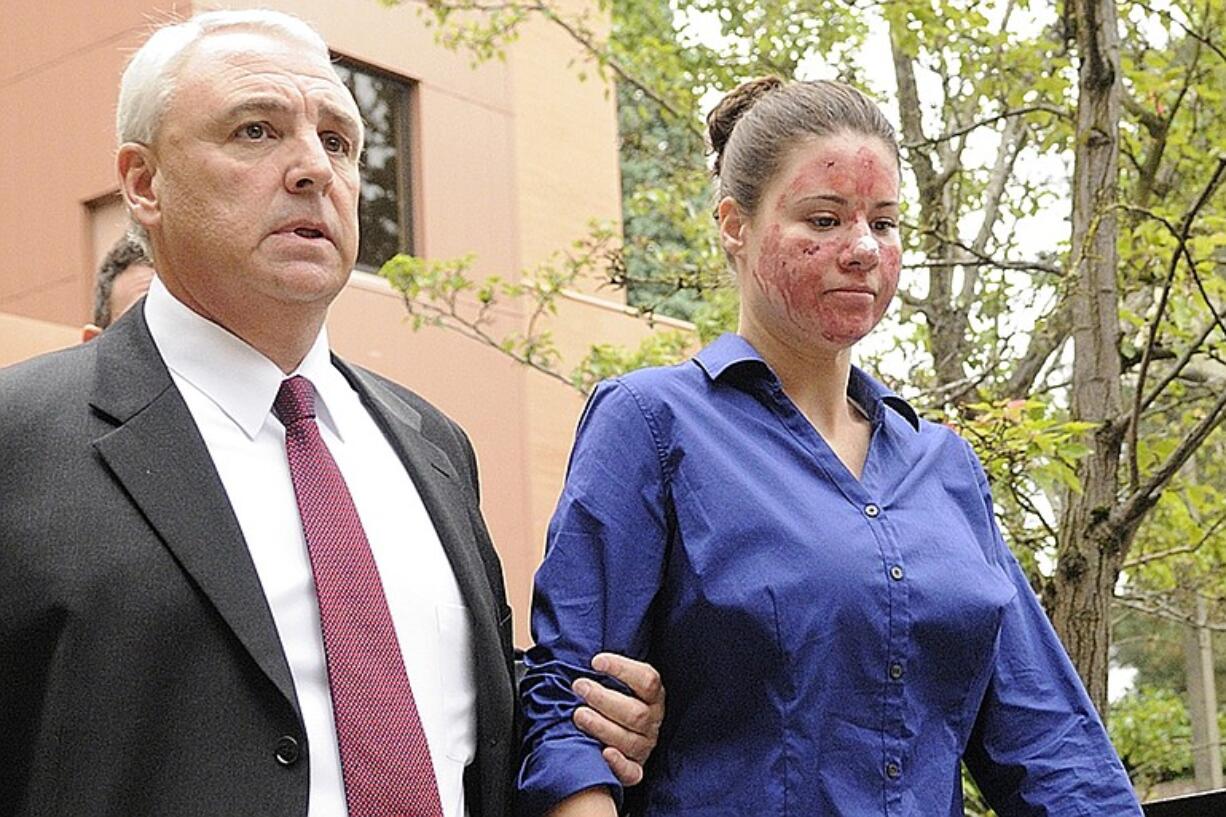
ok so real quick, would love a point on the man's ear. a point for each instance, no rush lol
(732, 224)
(137, 167)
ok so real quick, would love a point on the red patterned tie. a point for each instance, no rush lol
(385, 759)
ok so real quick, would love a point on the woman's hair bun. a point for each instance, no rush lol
(724, 116)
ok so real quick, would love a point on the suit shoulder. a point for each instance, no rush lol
(428, 411)
(435, 424)
(46, 380)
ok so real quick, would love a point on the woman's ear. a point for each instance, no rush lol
(732, 226)
(137, 168)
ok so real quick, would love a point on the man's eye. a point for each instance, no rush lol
(335, 143)
(254, 131)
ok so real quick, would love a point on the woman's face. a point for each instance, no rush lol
(818, 263)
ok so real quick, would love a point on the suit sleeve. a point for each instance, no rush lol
(603, 567)
(1038, 747)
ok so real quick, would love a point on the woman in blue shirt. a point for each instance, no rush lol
(815, 571)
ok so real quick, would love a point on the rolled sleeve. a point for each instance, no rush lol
(1038, 746)
(594, 590)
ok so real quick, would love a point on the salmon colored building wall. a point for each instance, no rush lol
(510, 161)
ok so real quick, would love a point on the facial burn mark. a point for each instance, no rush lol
(815, 292)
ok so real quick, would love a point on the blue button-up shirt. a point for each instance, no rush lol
(830, 645)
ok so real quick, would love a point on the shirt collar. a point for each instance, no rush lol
(240, 380)
(730, 352)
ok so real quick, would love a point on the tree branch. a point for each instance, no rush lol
(1151, 605)
(1044, 341)
(912, 144)
(1011, 142)
(1179, 366)
(973, 257)
(1124, 518)
(1147, 558)
(582, 38)
(1182, 234)
(1170, 18)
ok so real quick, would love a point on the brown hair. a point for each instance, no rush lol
(758, 122)
(126, 252)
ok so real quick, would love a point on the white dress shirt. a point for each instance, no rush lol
(229, 388)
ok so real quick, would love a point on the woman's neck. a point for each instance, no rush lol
(816, 382)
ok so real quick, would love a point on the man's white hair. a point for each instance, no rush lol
(149, 81)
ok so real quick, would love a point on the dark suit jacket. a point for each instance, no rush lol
(140, 669)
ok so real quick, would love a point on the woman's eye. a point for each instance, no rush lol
(824, 221)
(884, 225)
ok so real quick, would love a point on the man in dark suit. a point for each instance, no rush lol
(239, 576)
(122, 279)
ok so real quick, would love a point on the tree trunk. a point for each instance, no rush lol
(1202, 701)
(1090, 551)
(947, 326)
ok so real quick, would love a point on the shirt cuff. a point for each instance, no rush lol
(557, 769)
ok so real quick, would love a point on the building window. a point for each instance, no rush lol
(384, 213)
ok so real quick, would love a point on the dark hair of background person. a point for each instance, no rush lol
(752, 129)
(126, 252)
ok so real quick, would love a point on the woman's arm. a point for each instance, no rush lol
(593, 593)
(590, 803)
(1038, 745)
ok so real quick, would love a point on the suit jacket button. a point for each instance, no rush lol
(287, 750)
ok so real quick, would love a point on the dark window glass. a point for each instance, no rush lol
(383, 212)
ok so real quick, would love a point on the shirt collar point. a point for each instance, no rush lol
(904, 408)
(725, 352)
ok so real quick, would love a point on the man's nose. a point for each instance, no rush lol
(861, 250)
(310, 168)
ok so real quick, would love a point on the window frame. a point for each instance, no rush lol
(403, 123)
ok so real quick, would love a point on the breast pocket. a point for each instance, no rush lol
(456, 680)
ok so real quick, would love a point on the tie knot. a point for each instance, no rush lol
(295, 401)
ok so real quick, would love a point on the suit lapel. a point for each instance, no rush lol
(157, 454)
(443, 493)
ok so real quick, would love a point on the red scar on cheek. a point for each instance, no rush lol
(792, 271)
(798, 273)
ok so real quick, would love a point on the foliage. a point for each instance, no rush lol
(1152, 733)
(609, 360)
(1029, 450)
(445, 293)
(985, 95)
(973, 804)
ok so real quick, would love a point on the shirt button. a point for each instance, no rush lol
(895, 671)
(872, 511)
(893, 770)
(287, 752)
(896, 573)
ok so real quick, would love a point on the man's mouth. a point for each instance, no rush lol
(313, 230)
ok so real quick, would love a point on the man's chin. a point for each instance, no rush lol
(309, 281)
